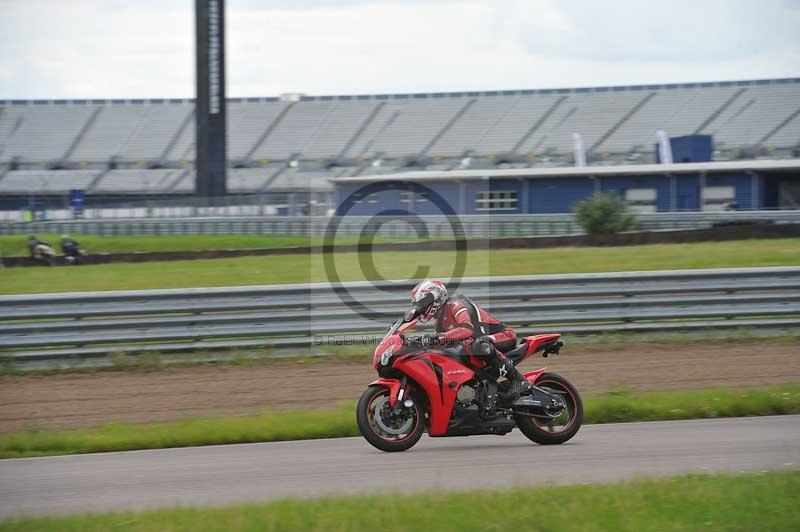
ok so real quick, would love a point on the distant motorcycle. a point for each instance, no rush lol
(73, 252)
(44, 254)
(74, 256)
(454, 393)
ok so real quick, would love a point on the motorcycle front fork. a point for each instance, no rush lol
(403, 401)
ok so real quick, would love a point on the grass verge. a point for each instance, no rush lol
(280, 426)
(278, 269)
(764, 502)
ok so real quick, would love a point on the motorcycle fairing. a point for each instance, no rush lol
(534, 342)
(440, 377)
(408, 325)
(531, 376)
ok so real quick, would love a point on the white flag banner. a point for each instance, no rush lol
(664, 147)
(580, 153)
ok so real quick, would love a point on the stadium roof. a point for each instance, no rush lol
(782, 165)
(423, 95)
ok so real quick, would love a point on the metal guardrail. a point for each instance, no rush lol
(63, 327)
(478, 226)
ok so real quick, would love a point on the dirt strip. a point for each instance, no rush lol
(89, 399)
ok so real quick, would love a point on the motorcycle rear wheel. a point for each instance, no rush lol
(384, 429)
(561, 429)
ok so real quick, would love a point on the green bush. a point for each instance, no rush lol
(604, 214)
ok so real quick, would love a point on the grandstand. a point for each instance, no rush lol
(112, 148)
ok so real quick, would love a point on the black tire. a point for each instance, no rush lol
(368, 425)
(537, 430)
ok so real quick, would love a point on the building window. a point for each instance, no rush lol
(641, 200)
(405, 197)
(372, 198)
(495, 200)
(720, 198)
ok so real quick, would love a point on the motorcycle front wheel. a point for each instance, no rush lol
(387, 428)
(562, 428)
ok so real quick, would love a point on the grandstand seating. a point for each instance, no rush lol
(467, 133)
(340, 124)
(185, 184)
(247, 122)
(44, 133)
(132, 181)
(154, 131)
(148, 145)
(250, 179)
(755, 115)
(110, 132)
(413, 124)
(291, 135)
(46, 181)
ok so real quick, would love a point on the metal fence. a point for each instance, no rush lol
(473, 225)
(58, 328)
(187, 206)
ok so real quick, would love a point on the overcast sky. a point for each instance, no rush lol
(144, 48)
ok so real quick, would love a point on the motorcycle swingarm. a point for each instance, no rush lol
(534, 404)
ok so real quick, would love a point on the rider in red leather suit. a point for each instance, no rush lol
(455, 324)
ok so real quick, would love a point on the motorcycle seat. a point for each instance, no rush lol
(516, 354)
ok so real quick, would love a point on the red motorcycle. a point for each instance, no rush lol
(455, 393)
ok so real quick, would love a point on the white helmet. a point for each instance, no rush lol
(431, 295)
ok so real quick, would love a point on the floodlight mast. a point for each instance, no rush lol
(210, 121)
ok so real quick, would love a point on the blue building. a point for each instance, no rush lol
(706, 186)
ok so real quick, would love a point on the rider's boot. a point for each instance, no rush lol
(518, 384)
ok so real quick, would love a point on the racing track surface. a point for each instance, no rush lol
(218, 475)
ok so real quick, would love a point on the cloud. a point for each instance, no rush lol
(679, 30)
(114, 48)
(95, 49)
